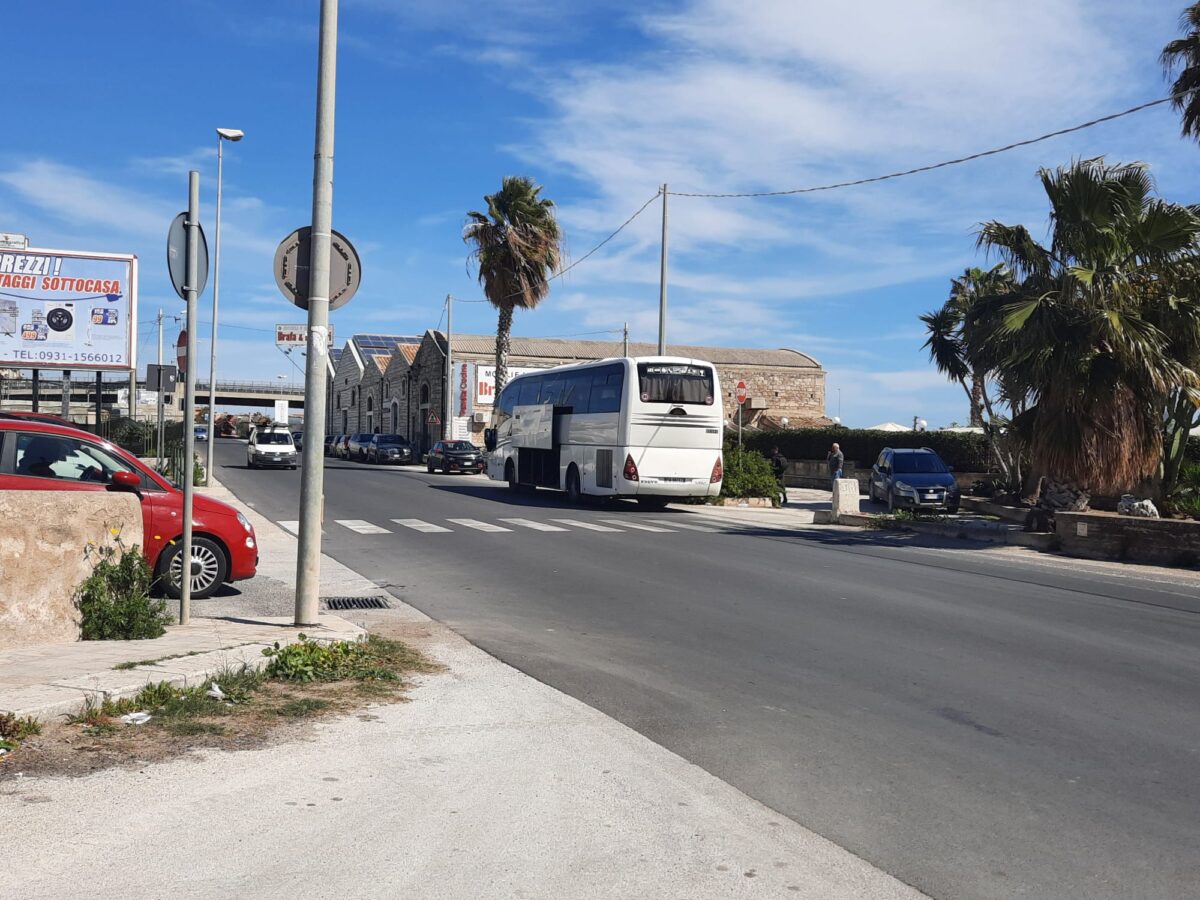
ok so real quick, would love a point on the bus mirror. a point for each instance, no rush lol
(489, 439)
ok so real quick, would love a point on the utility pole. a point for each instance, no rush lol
(189, 393)
(625, 341)
(158, 427)
(662, 283)
(308, 560)
(446, 432)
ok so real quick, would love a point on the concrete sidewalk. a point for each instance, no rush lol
(487, 784)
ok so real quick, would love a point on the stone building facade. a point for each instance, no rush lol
(785, 388)
(360, 394)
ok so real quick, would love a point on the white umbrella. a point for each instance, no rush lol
(889, 426)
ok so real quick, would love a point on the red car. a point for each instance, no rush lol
(41, 456)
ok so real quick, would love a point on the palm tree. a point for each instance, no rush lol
(518, 245)
(1183, 55)
(1078, 337)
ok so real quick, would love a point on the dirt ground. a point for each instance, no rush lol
(276, 711)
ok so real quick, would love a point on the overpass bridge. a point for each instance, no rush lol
(19, 392)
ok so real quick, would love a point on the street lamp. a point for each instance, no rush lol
(223, 134)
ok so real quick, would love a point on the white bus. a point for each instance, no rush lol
(648, 427)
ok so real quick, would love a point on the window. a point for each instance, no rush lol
(531, 388)
(370, 404)
(577, 392)
(508, 399)
(339, 400)
(607, 383)
(272, 437)
(424, 394)
(353, 396)
(918, 463)
(552, 389)
(387, 390)
(70, 459)
(675, 383)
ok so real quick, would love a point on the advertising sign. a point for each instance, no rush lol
(463, 388)
(289, 337)
(485, 382)
(63, 309)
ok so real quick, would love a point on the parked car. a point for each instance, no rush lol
(455, 456)
(271, 446)
(356, 446)
(331, 441)
(40, 456)
(340, 449)
(298, 440)
(200, 432)
(389, 448)
(913, 479)
(36, 417)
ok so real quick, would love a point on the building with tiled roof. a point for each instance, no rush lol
(358, 396)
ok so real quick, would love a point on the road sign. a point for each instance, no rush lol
(177, 256)
(181, 352)
(741, 392)
(10, 241)
(161, 378)
(433, 419)
(291, 268)
(292, 337)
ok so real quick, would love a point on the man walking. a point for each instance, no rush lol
(836, 460)
(779, 463)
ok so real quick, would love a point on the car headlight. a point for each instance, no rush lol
(245, 523)
(903, 488)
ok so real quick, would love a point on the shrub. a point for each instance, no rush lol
(114, 601)
(748, 474)
(965, 452)
(308, 660)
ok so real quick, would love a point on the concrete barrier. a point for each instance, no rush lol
(48, 546)
(1105, 535)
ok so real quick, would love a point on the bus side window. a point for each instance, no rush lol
(508, 399)
(531, 386)
(552, 391)
(606, 389)
(578, 392)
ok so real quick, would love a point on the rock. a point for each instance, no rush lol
(1130, 505)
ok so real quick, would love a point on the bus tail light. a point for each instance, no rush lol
(631, 472)
(718, 472)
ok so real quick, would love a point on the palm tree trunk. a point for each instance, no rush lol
(976, 400)
(503, 340)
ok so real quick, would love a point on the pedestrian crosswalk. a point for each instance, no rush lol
(510, 525)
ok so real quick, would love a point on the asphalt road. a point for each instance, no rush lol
(975, 725)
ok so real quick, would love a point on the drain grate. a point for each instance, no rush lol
(355, 603)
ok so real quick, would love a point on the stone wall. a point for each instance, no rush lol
(1103, 535)
(44, 557)
(796, 393)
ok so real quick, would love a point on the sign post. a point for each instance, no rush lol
(741, 400)
(187, 263)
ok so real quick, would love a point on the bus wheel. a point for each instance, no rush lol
(574, 491)
(510, 475)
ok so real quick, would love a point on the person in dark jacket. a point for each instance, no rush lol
(779, 464)
(836, 460)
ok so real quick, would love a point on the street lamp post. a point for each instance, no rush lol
(223, 134)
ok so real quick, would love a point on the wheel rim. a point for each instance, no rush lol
(205, 566)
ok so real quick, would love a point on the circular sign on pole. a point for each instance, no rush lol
(741, 392)
(181, 352)
(292, 268)
(177, 256)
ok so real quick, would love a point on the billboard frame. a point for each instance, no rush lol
(131, 327)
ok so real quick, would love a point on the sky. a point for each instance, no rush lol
(110, 105)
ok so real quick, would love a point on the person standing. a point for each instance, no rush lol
(779, 464)
(836, 459)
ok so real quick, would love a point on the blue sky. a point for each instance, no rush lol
(110, 105)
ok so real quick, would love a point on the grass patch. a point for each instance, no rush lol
(133, 664)
(15, 729)
(299, 708)
(194, 727)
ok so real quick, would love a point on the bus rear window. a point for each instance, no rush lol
(675, 383)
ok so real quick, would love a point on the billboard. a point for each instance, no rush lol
(65, 309)
(485, 381)
(289, 337)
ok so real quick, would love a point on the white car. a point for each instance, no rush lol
(271, 447)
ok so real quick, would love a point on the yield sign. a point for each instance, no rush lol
(433, 419)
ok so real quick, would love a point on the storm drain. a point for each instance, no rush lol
(342, 603)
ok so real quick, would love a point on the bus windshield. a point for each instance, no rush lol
(675, 383)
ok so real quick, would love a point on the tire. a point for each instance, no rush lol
(952, 510)
(293, 468)
(891, 501)
(510, 475)
(214, 568)
(429, 467)
(653, 502)
(574, 489)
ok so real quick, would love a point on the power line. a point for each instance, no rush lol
(945, 163)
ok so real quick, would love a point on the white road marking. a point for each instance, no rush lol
(292, 525)
(638, 525)
(477, 525)
(536, 526)
(675, 523)
(590, 526)
(418, 525)
(362, 527)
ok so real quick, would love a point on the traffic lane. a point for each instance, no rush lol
(911, 726)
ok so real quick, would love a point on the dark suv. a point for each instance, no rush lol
(454, 456)
(389, 448)
(913, 479)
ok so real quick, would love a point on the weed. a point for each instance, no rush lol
(191, 727)
(114, 601)
(305, 706)
(16, 728)
(308, 660)
(91, 714)
(133, 664)
(100, 729)
(8, 745)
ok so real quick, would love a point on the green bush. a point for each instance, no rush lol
(308, 660)
(965, 452)
(114, 601)
(748, 474)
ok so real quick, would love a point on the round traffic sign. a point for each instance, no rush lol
(292, 268)
(741, 392)
(181, 352)
(177, 256)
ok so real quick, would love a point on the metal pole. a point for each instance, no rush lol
(446, 433)
(65, 396)
(212, 358)
(36, 389)
(308, 560)
(625, 341)
(158, 429)
(662, 283)
(99, 398)
(189, 395)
